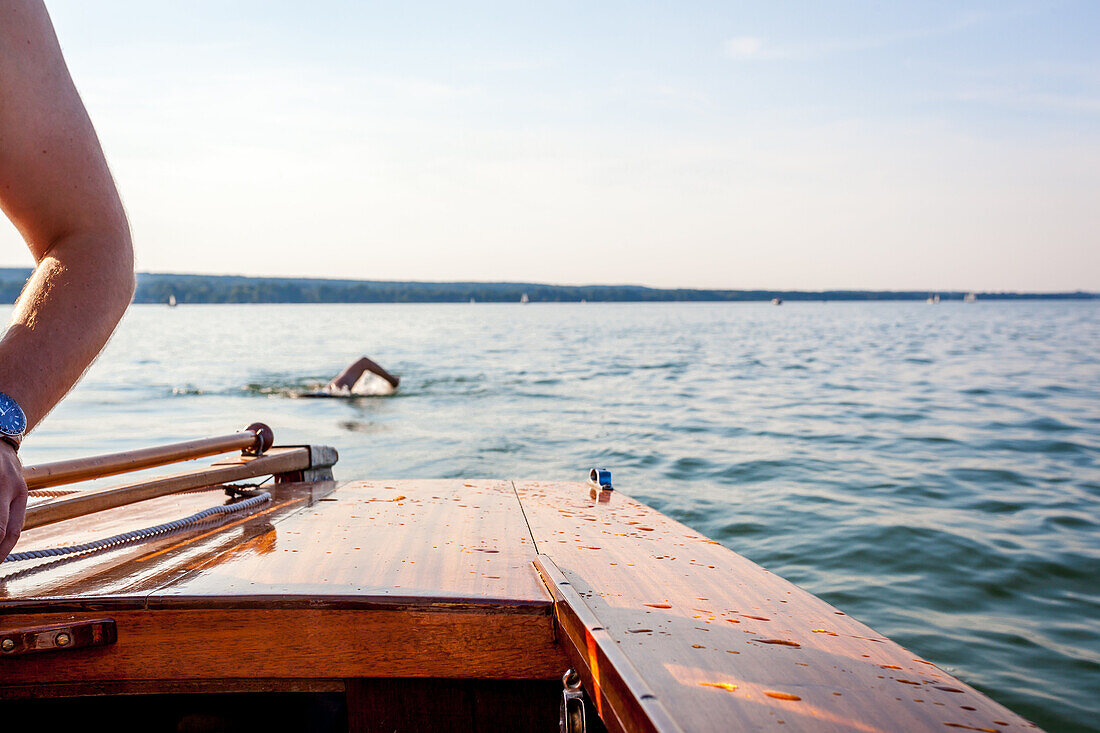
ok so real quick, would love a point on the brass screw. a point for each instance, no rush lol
(62, 639)
(7, 645)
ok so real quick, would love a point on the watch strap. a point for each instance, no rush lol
(13, 440)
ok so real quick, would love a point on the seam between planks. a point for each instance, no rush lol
(523, 513)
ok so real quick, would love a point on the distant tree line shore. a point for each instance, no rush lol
(159, 287)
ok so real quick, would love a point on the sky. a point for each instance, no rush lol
(873, 145)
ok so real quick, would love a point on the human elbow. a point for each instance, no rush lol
(116, 262)
(126, 264)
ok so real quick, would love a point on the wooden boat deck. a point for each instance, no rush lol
(480, 579)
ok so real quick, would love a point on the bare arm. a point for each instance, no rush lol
(57, 190)
(350, 375)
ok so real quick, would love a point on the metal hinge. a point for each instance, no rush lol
(58, 637)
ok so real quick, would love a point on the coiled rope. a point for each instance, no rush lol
(128, 537)
(50, 493)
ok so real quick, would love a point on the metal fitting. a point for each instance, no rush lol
(571, 711)
(600, 478)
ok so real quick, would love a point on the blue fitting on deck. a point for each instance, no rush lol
(600, 478)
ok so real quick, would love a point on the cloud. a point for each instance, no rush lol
(744, 47)
(754, 48)
(1031, 100)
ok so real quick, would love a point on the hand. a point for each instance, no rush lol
(13, 499)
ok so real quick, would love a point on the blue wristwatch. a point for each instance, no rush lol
(13, 423)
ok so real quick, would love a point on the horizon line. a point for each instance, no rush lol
(741, 289)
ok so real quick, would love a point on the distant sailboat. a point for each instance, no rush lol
(970, 298)
(524, 299)
(933, 299)
(171, 300)
(777, 301)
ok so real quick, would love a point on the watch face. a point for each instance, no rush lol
(12, 419)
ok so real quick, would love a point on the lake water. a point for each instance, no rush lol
(932, 470)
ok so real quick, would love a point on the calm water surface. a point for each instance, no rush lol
(932, 470)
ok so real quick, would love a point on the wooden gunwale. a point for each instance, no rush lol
(275, 461)
(721, 642)
(623, 699)
(82, 469)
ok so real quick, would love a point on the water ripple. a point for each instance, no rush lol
(934, 471)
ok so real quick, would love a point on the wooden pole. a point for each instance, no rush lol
(276, 461)
(83, 469)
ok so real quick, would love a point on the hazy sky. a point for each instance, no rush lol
(930, 145)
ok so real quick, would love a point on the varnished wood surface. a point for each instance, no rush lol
(302, 643)
(412, 579)
(622, 696)
(437, 579)
(443, 541)
(725, 645)
(124, 576)
(277, 460)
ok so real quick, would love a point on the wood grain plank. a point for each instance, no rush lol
(726, 645)
(434, 541)
(301, 643)
(406, 544)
